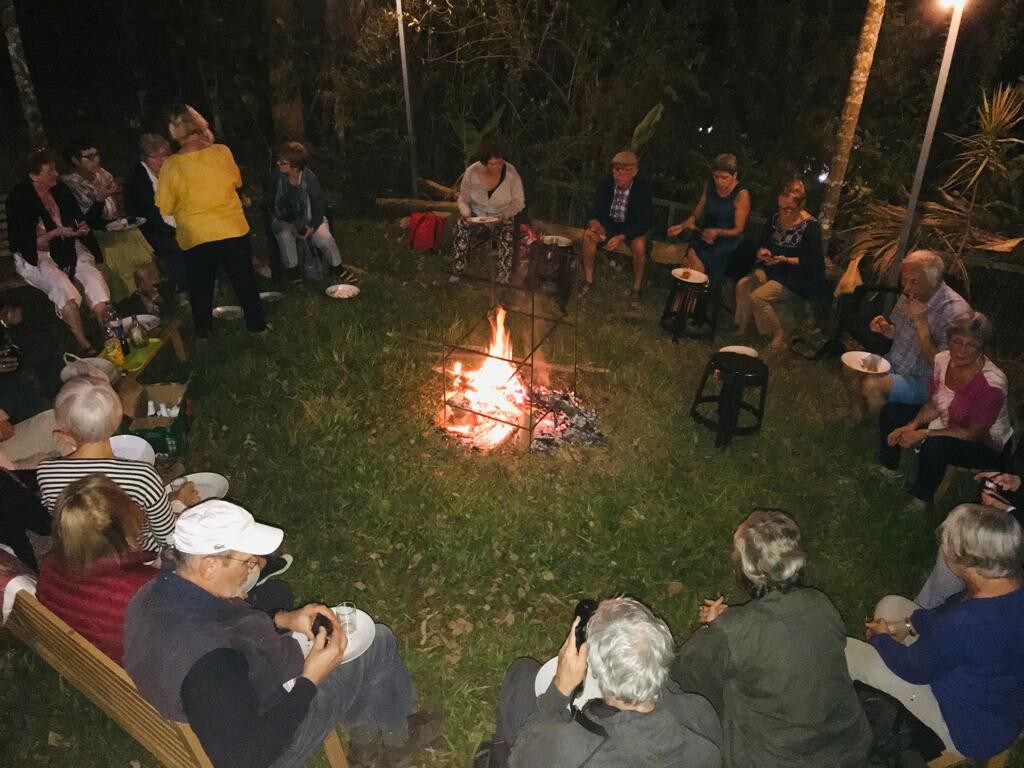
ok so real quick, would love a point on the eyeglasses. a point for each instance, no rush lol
(622, 168)
(250, 562)
(91, 155)
(282, 162)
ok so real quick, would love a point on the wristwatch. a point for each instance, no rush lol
(911, 632)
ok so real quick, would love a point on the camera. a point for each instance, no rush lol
(584, 610)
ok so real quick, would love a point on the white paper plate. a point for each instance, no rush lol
(547, 673)
(229, 312)
(271, 296)
(482, 219)
(557, 241)
(132, 447)
(857, 360)
(119, 225)
(358, 641)
(740, 350)
(210, 485)
(699, 278)
(342, 291)
(148, 322)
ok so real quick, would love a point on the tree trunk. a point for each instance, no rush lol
(22, 76)
(342, 23)
(851, 112)
(285, 97)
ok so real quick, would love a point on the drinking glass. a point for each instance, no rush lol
(346, 613)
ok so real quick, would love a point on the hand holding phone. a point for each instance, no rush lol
(584, 610)
(321, 622)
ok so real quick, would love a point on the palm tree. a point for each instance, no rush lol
(22, 76)
(851, 112)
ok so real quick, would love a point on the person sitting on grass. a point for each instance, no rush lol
(917, 327)
(201, 656)
(773, 666)
(790, 265)
(622, 212)
(640, 719)
(959, 667)
(299, 212)
(87, 413)
(964, 423)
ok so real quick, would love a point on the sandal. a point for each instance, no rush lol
(348, 276)
(585, 288)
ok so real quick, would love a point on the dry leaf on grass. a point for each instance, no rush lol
(673, 588)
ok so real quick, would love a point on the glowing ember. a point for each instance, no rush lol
(485, 406)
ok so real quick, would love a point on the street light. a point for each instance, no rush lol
(933, 118)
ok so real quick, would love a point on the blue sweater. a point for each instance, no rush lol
(971, 653)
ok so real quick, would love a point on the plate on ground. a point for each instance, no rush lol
(865, 362)
(482, 219)
(547, 673)
(132, 447)
(148, 322)
(119, 225)
(228, 312)
(557, 241)
(358, 641)
(691, 275)
(209, 485)
(271, 296)
(740, 350)
(342, 291)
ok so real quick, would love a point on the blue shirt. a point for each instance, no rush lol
(905, 353)
(971, 653)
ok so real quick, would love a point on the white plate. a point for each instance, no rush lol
(358, 641)
(856, 361)
(148, 322)
(342, 291)
(119, 225)
(557, 241)
(547, 673)
(740, 350)
(132, 447)
(229, 312)
(271, 296)
(210, 485)
(482, 219)
(694, 277)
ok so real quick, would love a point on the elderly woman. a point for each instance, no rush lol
(87, 413)
(299, 212)
(490, 188)
(96, 566)
(773, 667)
(964, 423)
(199, 188)
(718, 220)
(790, 265)
(640, 719)
(52, 244)
(958, 668)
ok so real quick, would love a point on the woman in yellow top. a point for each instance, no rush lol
(198, 186)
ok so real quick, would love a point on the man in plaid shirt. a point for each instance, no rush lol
(917, 327)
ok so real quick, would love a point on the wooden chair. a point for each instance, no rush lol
(950, 759)
(110, 688)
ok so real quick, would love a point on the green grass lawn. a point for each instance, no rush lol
(325, 428)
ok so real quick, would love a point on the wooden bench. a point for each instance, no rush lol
(950, 759)
(167, 332)
(110, 688)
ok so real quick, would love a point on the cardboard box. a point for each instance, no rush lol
(167, 435)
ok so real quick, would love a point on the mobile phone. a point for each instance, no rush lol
(322, 621)
(584, 610)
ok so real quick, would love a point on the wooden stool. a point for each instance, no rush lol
(736, 373)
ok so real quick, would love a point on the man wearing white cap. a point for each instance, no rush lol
(623, 212)
(200, 655)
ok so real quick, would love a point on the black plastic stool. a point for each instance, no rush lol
(693, 298)
(737, 373)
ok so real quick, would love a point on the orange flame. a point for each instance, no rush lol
(487, 404)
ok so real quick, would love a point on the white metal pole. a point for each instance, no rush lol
(409, 128)
(929, 133)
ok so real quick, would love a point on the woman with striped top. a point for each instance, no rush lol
(87, 413)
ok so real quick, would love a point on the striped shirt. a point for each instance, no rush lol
(136, 478)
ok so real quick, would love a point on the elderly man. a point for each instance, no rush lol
(641, 719)
(202, 656)
(917, 327)
(623, 212)
(139, 194)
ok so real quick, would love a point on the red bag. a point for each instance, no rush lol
(425, 231)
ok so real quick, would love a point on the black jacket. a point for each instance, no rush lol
(25, 210)
(140, 201)
(639, 209)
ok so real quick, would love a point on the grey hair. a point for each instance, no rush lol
(629, 650)
(88, 410)
(983, 538)
(149, 143)
(725, 163)
(974, 325)
(929, 262)
(186, 561)
(768, 551)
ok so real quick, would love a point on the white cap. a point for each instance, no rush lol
(216, 526)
